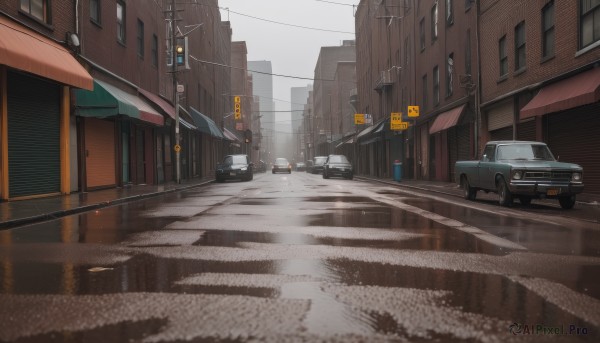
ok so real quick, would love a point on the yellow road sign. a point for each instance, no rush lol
(236, 99)
(413, 111)
(177, 148)
(396, 123)
(359, 119)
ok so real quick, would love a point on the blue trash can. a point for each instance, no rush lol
(397, 171)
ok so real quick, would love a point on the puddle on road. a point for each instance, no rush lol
(534, 235)
(490, 295)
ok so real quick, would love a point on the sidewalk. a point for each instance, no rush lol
(21, 212)
(587, 207)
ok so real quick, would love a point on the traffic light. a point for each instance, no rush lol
(237, 108)
(181, 52)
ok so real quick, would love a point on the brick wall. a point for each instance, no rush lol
(499, 18)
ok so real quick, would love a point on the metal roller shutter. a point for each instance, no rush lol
(501, 116)
(459, 149)
(100, 153)
(526, 130)
(505, 134)
(573, 136)
(33, 136)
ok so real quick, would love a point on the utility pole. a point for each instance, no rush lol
(175, 91)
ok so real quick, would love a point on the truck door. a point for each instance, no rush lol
(487, 168)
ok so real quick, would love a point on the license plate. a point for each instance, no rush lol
(553, 191)
(231, 174)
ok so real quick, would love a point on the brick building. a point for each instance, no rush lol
(541, 79)
(418, 53)
(38, 73)
(326, 128)
(101, 76)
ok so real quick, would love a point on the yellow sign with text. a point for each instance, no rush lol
(396, 123)
(359, 119)
(413, 111)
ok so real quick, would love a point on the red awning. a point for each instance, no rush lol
(579, 90)
(160, 102)
(447, 119)
(24, 49)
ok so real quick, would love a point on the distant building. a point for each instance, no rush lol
(299, 99)
(325, 130)
(262, 87)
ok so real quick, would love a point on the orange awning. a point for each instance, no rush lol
(447, 119)
(579, 90)
(24, 49)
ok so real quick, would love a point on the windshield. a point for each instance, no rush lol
(338, 159)
(229, 160)
(320, 160)
(524, 152)
(281, 161)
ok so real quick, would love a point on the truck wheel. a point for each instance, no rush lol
(469, 192)
(504, 196)
(567, 202)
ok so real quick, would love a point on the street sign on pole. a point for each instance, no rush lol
(413, 111)
(396, 123)
(359, 119)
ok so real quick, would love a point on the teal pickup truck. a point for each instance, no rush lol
(526, 170)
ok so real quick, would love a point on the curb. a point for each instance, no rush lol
(12, 223)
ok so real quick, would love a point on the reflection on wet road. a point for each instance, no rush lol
(297, 258)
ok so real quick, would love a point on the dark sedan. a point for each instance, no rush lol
(282, 165)
(234, 167)
(319, 161)
(337, 165)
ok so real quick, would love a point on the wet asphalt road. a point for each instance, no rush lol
(295, 258)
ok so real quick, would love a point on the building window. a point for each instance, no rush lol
(425, 91)
(548, 30)
(436, 86)
(503, 57)
(468, 53)
(154, 50)
(95, 11)
(449, 13)
(39, 9)
(520, 46)
(450, 75)
(422, 33)
(468, 4)
(121, 22)
(140, 38)
(589, 22)
(434, 22)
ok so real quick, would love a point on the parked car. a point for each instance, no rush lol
(282, 165)
(300, 166)
(236, 167)
(309, 166)
(319, 161)
(526, 170)
(337, 165)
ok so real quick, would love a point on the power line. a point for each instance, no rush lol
(336, 3)
(268, 20)
(286, 24)
(255, 71)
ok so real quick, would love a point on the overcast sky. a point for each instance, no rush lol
(291, 50)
